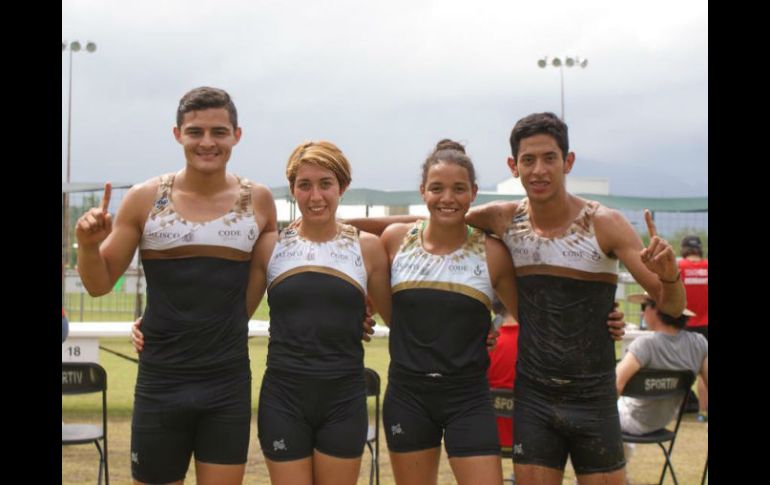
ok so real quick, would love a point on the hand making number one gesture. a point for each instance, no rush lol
(658, 256)
(96, 224)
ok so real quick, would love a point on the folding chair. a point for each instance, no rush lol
(502, 401)
(373, 434)
(660, 384)
(85, 378)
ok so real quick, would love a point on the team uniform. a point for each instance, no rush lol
(695, 276)
(193, 388)
(565, 374)
(436, 382)
(313, 393)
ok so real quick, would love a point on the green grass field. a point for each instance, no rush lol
(79, 463)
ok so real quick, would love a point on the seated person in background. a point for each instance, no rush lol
(667, 348)
(502, 365)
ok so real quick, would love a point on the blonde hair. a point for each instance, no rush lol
(323, 154)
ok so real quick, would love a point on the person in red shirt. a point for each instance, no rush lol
(694, 271)
(502, 365)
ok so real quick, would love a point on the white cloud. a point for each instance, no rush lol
(386, 80)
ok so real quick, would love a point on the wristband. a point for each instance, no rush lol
(678, 276)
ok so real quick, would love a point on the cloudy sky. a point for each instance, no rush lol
(386, 80)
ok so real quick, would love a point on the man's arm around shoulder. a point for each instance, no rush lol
(493, 216)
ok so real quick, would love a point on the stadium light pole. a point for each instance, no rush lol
(557, 62)
(73, 46)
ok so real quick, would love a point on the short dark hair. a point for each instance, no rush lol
(691, 245)
(449, 151)
(206, 97)
(539, 124)
(676, 322)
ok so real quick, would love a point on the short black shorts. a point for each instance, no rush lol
(546, 429)
(209, 418)
(418, 411)
(298, 414)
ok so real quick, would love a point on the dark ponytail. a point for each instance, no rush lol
(449, 151)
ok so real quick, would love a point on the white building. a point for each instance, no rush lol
(575, 185)
(512, 186)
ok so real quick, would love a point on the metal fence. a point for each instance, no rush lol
(127, 299)
(124, 303)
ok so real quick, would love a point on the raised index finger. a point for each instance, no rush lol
(106, 197)
(650, 223)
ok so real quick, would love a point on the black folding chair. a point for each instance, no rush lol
(85, 378)
(373, 434)
(660, 384)
(502, 401)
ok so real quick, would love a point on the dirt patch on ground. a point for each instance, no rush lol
(79, 463)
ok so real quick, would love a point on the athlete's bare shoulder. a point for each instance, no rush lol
(493, 216)
(264, 206)
(260, 190)
(141, 196)
(396, 230)
(613, 231)
(137, 203)
(371, 245)
(367, 237)
(149, 186)
(495, 246)
(605, 218)
(394, 235)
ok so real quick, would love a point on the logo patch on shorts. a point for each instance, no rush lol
(135, 457)
(518, 449)
(396, 429)
(279, 445)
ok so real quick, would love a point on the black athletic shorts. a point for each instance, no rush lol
(548, 428)
(298, 414)
(418, 411)
(209, 418)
